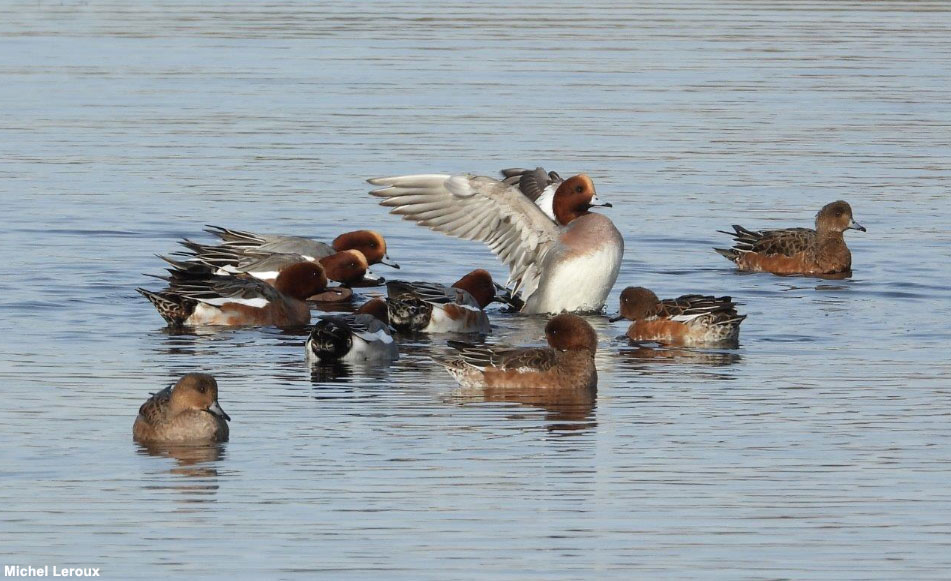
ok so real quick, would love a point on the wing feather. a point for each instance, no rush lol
(476, 208)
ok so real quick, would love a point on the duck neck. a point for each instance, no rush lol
(567, 210)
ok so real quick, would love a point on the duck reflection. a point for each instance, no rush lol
(568, 410)
(639, 356)
(333, 371)
(194, 462)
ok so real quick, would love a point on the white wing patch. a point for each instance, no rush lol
(257, 302)
(546, 201)
(686, 318)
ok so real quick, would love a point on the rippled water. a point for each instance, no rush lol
(819, 449)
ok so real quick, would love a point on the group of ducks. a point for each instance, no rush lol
(563, 260)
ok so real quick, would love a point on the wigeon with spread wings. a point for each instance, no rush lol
(566, 264)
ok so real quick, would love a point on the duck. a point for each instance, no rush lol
(565, 264)
(346, 267)
(362, 336)
(197, 299)
(369, 242)
(797, 251)
(188, 270)
(187, 412)
(566, 364)
(435, 308)
(689, 320)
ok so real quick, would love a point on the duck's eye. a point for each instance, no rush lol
(579, 189)
(201, 388)
(838, 213)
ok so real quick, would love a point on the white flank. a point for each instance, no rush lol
(375, 349)
(440, 322)
(380, 336)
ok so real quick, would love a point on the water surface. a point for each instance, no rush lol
(818, 449)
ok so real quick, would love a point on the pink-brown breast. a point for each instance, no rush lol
(587, 234)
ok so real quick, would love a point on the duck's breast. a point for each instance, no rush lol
(195, 426)
(580, 270)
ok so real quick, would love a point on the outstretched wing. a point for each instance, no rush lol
(476, 208)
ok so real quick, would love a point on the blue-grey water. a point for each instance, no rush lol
(820, 449)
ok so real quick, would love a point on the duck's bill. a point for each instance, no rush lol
(386, 260)
(615, 318)
(595, 201)
(856, 226)
(369, 279)
(215, 409)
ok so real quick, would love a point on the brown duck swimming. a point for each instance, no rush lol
(186, 412)
(797, 250)
(689, 320)
(568, 362)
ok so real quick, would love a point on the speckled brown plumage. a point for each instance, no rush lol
(433, 307)
(185, 412)
(796, 250)
(567, 364)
